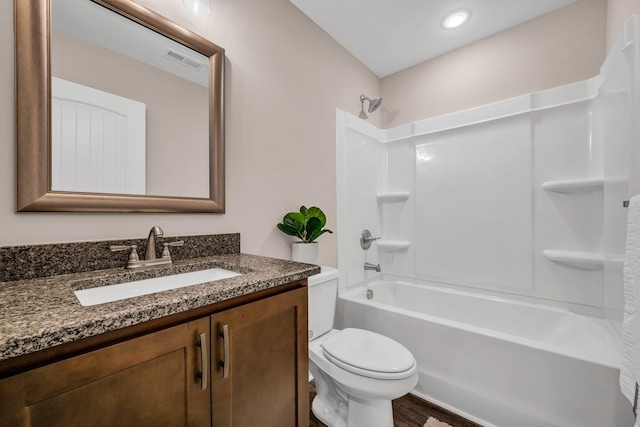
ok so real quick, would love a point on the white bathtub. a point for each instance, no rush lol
(499, 362)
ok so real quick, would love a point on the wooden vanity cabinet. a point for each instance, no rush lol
(260, 363)
(156, 379)
(147, 381)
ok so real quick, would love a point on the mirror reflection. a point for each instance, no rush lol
(129, 107)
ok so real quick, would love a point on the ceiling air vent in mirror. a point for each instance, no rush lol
(182, 59)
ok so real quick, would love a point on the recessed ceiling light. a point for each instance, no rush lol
(455, 19)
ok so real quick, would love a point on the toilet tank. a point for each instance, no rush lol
(323, 291)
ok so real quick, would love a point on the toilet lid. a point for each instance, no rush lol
(370, 354)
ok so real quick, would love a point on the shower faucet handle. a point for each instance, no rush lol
(366, 239)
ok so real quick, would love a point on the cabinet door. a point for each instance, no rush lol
(266, 382)
(152, 380)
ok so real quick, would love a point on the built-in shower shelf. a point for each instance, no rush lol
(582, 260)
(393, 196)
(393, 245)
(571, 186)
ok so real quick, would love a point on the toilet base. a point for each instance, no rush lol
(370, 413)
(327, 414)
(361, 413)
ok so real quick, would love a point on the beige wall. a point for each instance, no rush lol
(561, 47)
(285, 78)
(617, 12)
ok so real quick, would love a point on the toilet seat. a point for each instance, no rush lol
(369, 354)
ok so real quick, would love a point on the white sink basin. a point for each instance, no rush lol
(102, 294)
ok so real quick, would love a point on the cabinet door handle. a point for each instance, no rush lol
(225, 344)
(204, 373)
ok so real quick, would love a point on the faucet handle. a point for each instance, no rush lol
(133, 255)
(165, 250)
(366, 238)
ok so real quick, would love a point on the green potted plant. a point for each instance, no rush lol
(307, 225)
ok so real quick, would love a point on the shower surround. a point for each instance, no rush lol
(521, 201)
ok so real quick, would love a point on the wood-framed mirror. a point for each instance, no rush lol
(42, 172)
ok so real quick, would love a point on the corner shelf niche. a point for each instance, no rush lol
(393, 245)
(583, 260)
(573, 186)
(393, 196)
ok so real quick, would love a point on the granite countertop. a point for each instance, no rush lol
(40, 313)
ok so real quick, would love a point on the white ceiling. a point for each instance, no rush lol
(391, 35)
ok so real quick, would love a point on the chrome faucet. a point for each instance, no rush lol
(150, 256)
(151, 242)
(372, 267)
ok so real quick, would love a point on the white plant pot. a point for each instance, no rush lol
(305, 252)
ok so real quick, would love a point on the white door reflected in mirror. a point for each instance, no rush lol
(97, 140)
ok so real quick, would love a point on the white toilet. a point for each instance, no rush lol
(357, 372)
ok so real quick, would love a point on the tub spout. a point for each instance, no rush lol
(372, 267)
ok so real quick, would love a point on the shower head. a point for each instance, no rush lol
(373, 103)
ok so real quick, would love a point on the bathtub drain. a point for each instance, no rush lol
(369, 294)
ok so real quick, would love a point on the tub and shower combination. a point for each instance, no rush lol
(502, 234)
